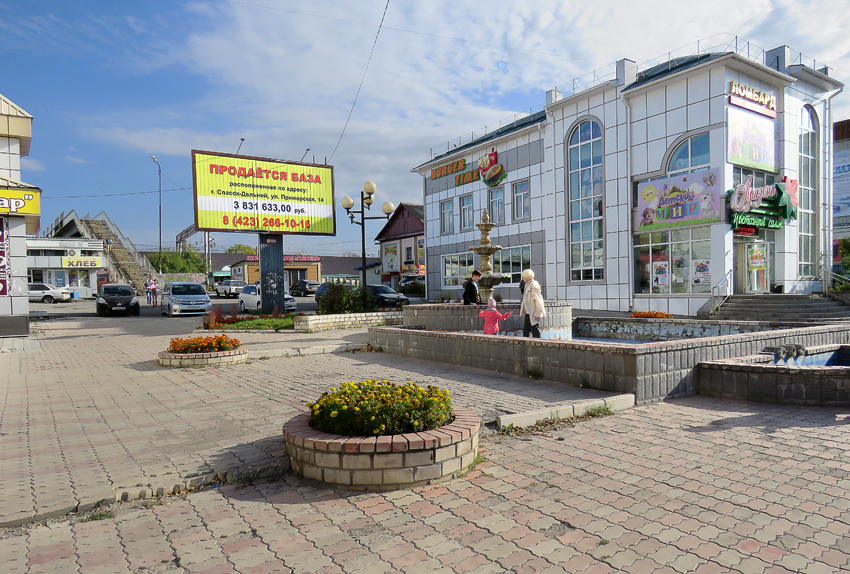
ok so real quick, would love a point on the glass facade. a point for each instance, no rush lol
(512, 261)
(455, 267)
(808, 190)
(675, 261)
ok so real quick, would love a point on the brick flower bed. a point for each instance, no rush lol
(385, 462)
(213, 358)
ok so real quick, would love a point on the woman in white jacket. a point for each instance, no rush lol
(532, 305)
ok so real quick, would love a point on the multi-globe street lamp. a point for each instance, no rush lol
(367, 198)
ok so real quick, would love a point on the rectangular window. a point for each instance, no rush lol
(456, 267)
(408, 255)
(447, 216)
(676, 261)
(497, 205)
(512, 260)
(466, 215)
(522, 201)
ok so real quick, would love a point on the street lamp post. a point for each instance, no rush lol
(159, 169)
(367, 198)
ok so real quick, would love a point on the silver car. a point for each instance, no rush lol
(251, 298)
(184, 298)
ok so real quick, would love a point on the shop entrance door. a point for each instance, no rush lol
(752, 267)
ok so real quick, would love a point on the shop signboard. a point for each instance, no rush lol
(841, 182)
(252, 194)
(766, 207)
(744, 96)
(685, 199)
(19, 202)
(751, 140)
(301, 259)
(85, 262)
(5, 262)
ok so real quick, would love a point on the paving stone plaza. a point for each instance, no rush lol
(689, 485)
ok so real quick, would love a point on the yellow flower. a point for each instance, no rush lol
(333, 414)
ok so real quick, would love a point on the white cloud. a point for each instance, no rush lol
(30, 164)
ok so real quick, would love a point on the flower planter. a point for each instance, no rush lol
(209, 359)
(385, 462)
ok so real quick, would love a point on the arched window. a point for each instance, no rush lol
(585, 179)
(691, 154)
(807, 182)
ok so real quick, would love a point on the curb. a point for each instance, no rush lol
(573, 409)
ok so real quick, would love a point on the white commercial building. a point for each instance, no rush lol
(646, 189)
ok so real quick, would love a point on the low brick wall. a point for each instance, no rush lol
(756, 378)
(652, 371)
(203, 359)
(385, 462)
(316, 323)
(457, 317)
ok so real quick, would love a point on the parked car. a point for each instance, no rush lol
(412, 284)
(229, 288)
(184, 298)
(47, 293)
(323, 290)
(305, 287)
(387, 296)
(251, 298)
(117, 298)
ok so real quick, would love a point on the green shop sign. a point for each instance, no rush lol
(766, 207)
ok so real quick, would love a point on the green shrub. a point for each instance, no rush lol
(375, 408)
(340, 299)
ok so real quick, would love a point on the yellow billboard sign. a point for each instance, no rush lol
(87, 262)
(252, 194)
(20, 202)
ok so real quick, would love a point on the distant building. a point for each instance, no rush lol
(402, 241)
(841, 179)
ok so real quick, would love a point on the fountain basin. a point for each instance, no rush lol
(464, 318)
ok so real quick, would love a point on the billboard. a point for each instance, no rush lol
(262, 195)
(841, 182)
(751, 140)
(684, 199)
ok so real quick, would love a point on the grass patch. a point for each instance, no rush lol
(100, 515)
(261, 324)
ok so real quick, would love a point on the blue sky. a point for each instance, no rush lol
(111, 83)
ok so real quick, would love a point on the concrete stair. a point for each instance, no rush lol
(783, 308)
(123, 260)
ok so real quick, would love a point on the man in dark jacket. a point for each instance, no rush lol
(470, 289)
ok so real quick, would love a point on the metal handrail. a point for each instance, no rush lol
(726, 285)
(833, 277)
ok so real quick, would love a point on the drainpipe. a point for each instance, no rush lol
(826, 260)
(630, 218)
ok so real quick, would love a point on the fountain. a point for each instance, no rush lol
(488, 280)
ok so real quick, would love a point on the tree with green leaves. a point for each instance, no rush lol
(242, 248)
(189, 261)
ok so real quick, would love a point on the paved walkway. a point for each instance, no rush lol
(694, 485)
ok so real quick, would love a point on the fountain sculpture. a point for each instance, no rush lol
(486, 250)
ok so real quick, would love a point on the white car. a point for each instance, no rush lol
(229, 288)
(251, 298)
(183, 298)
(47, 293)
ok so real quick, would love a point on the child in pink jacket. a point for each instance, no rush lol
(492, 317)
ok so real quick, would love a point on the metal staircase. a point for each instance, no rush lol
(782, 308)
(124, 262)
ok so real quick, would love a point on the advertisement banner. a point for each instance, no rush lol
(841, 182)
(391, 258)
(19, 202)
(685, 199)
(420, 248)
(700, 274)
(5, 267)
(660, 273)
(751, 140)
(251, 194)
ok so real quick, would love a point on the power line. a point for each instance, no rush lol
(354, 103)
(117, 194)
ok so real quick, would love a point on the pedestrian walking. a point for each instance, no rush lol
(492, 317)
(532, 305)
(148, 289)
(470, 289)
(109, 245)
(154, 291)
